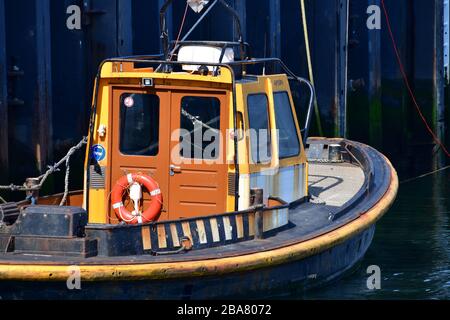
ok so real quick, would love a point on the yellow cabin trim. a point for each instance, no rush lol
(112, 70)
(268, 85)
(275, 161)
(98, 198)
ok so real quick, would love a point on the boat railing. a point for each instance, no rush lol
(256, 223)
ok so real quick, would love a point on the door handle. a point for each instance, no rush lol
(174, 170)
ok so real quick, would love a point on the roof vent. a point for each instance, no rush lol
(203, 55)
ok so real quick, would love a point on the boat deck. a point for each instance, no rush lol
(334, 185)
(338, 196)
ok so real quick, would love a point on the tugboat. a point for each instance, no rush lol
(200, 183)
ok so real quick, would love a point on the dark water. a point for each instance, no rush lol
(411, 247)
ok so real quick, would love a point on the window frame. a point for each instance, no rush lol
(219, 150)
(120, 136)
(294, 122)
(258, 161)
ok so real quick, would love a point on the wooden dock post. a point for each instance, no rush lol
(4, 158)
(374, 86)
(42, 114)
(274, 39)
(342, 68)
(439, 84)
(241, 8)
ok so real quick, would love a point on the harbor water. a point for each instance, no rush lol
(411, 247)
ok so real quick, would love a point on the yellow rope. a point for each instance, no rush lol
(310, 68)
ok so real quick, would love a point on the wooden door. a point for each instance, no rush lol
(140, 144)
(197, 175)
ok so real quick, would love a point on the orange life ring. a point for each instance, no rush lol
(153, 211)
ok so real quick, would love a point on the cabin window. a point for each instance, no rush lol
(258, 114)
(200, 128)
(288, 142)
(139, 124)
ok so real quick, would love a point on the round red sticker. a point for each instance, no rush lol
(128, 102)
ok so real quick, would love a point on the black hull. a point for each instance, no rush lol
(287, 280)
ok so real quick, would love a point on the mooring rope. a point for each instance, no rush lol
(51, 170)
(425, 175)
(310, 67)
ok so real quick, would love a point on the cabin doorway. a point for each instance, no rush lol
(177, 138)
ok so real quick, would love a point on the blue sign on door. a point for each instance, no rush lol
(98, 152)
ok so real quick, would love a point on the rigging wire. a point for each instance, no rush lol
(408, 86)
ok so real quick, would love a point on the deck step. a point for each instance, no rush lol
(76, 247)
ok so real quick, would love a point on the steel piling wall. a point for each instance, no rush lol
(51, 67)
